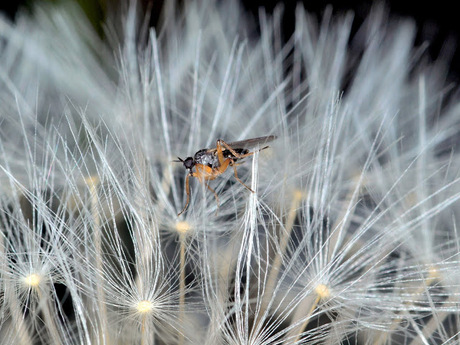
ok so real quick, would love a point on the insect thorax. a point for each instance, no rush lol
(210, 158)
(206, 158)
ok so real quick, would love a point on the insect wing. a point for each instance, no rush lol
(242, 146)
(250, 143)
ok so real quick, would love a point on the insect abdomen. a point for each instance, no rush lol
(228, 154)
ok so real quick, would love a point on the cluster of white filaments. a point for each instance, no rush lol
(341, 229)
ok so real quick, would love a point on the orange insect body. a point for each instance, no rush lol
(206, 173)
(210, 163)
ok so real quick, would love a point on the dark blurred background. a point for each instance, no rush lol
(438, 21)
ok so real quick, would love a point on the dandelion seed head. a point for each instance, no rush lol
(33, 280)
(433, 274)
(144, 307)
(322, 290)
(183, 227)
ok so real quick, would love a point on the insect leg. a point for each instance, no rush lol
(215, 195)
(238, 179)
(187, 189)
(220, 155)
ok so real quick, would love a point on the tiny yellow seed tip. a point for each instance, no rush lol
(144, 307)
(298, 195)
(183, 227)
(92, 181)
(32, 280)
(433, 274)
(322, 291)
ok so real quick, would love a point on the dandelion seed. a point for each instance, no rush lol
(144, 307)
(322, 291)
(33, 280)
(183, 227)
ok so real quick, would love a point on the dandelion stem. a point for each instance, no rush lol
(182, 271)
(92, 183)
(145, 309)
(143, 332)
(17, 319)
(438, 318)
(182, 283)
(310, 303)
(384, 336)
(299, 315)
(431, 279)
(182, 229)
(435, 322)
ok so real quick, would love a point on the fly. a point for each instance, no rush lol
(210, 163)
